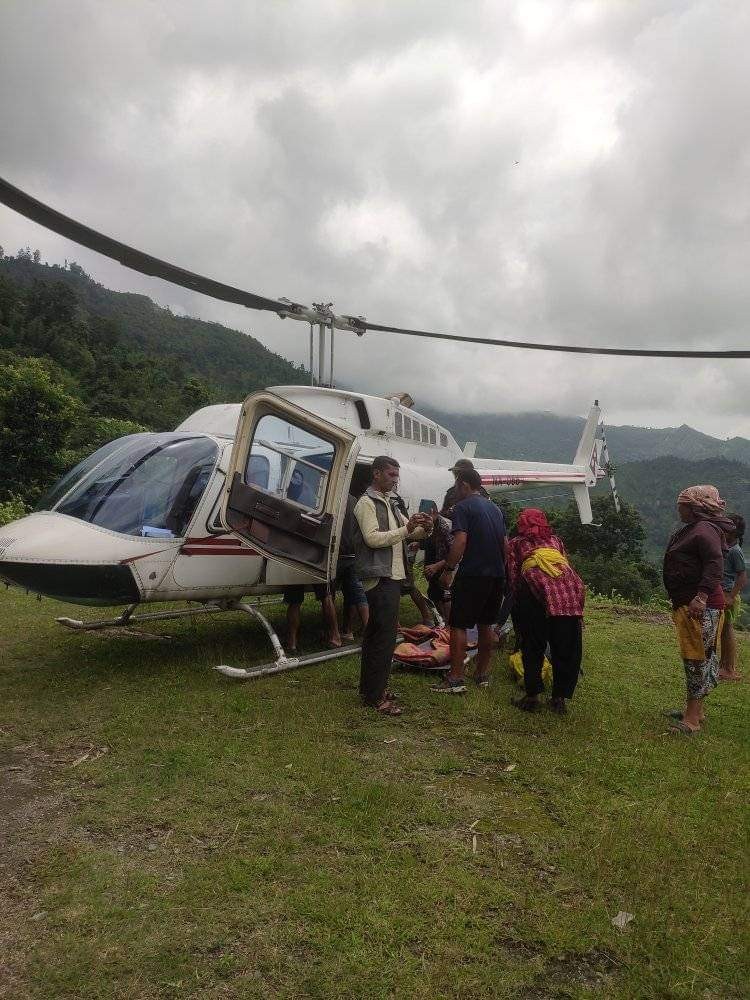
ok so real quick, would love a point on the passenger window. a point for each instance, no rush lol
(444, 440)
(432, 435)
(425, 434)
(407, 427)
(294, 462)
(399, 425)
(258, 471)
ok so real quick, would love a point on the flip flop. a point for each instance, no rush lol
(388, 708)
(683, 729)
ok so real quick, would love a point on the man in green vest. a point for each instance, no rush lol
(379, 533)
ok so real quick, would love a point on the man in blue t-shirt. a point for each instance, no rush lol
(477, 558)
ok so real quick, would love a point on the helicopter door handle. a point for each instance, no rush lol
(261, 508)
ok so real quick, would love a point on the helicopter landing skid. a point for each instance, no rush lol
(282, 663)
(128, 618)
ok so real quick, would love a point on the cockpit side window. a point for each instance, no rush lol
(68, 481)
(151, 488)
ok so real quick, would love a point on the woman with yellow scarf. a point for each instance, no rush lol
(548, 599)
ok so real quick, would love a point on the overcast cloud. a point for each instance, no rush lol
(567, 171)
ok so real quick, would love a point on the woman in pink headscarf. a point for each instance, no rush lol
(693, 573)
(548, 598)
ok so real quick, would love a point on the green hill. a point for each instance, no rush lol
(652, 486)
(231, 364)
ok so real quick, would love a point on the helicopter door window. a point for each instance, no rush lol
(399, 424)
(407, 427)
(433, 437)
(425, 434)
(443, 440)
(289, 462)
(295, 519)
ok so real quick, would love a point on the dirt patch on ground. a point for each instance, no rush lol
(590, 969)
(32, 818)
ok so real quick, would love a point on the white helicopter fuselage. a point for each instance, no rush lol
(73, 558)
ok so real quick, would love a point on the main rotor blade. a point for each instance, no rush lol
(24, 204)
(626, 352)
(35, 210)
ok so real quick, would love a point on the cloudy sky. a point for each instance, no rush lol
(535, 170)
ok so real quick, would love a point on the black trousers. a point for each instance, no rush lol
(379, 640)
(562, 632)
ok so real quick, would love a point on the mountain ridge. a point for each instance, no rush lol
(542, 436)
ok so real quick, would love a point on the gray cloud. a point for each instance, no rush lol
(366, 153)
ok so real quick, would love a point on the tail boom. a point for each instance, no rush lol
(581, 475)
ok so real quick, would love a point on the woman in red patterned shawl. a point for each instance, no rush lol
(548, 598)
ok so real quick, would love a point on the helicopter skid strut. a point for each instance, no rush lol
(128, 618)
(281, 664)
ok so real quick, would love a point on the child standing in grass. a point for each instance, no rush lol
(735, 578)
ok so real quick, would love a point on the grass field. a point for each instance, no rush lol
(169, 833)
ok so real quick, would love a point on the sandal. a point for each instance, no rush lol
(678, 714)
(387, 707)
(526, 703)
(683, 728)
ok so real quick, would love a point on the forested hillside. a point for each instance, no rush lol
(77, 314)
(653, 487)
(81, 365)
(547, 437)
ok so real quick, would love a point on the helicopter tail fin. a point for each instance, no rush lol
(586, 457)
(586, 451)
(583, 500)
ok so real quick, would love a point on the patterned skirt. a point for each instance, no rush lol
(699, 641)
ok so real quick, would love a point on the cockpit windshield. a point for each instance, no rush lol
(150, 486)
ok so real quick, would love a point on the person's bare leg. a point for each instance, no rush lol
(363, 610)
(693, 715)
(418, 597)
(331, 621)
(347, 623)
(292, 626)
(484, 652)
(458, 654)
(728, 669)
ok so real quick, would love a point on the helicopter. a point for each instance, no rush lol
(242, 500)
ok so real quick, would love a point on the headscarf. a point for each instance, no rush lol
(704, 500)
(532, 523)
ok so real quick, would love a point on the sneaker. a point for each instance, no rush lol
(482, 680)
(558, 706)
(451, 686)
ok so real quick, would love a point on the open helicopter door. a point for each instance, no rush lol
(287, 484)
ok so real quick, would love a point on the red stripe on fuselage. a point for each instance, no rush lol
(214, 550)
